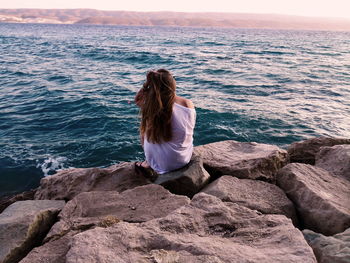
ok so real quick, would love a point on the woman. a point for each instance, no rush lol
(167, 124)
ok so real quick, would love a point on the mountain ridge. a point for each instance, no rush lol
(169, 18)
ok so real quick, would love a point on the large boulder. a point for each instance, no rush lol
(333, 249)
(23, 225)
(205, 231)
(5, 201)
(68, 183)
(188, 180)
(321, 199)
(257, 195)
(91, 209)
(335, 159)
(305, 151)
(247, 160)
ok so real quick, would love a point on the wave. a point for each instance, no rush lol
(52, 164)
(268, 52)
(61, 79)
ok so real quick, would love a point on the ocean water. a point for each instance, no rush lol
(66, 91)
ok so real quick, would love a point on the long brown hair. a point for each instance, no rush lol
(157, 106)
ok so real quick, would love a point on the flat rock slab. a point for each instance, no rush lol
(333, 249)
(207, 231)
(92, 209)
(8, 200)
(305, 151)
(335, 159)
(321, 199)
(246, 160)
(68, 183)
(186, 181)
(257, 195)
(23, 225)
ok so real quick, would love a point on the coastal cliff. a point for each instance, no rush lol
(234, 202)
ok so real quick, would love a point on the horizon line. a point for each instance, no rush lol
(189, 12)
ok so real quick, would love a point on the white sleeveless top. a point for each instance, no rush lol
(172, 155)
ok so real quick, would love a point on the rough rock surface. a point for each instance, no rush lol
(91, 209)
(186, 181)
(8, 200)
(23, 225)
(50, 252)
(68, 183)
(333, 249)
(305, 151)
(247, 160)
(207, 231)
(264, 197)
(321, 199)
(335, 159)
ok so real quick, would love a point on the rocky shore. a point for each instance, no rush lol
(234, 202)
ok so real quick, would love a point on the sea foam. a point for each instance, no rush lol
(52, 165)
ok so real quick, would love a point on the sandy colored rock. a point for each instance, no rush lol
(8, 200)
(335, 159)
(23, 225)
(305, 151)
(321, 199)
(332, 249)
(186, 181)
(68, 183)
(101, 208)
(207, 231)
(246, 160)
(257, 195)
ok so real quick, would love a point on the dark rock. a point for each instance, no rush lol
(305, 151)
(186, 181)
(257, 195)
(242, 159)
(50, 252)
(333, 249)
(321, 199)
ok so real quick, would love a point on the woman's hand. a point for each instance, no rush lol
(139, 97)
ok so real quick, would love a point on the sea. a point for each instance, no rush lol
(66, 91)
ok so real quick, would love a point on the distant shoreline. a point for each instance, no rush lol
(175, 19)
(189, 27)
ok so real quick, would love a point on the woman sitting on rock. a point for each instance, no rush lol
(167, 123)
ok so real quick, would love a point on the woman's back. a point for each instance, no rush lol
(174, 154)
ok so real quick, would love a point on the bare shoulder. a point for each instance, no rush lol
(184, 102)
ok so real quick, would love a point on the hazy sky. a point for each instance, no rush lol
(327, 8)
